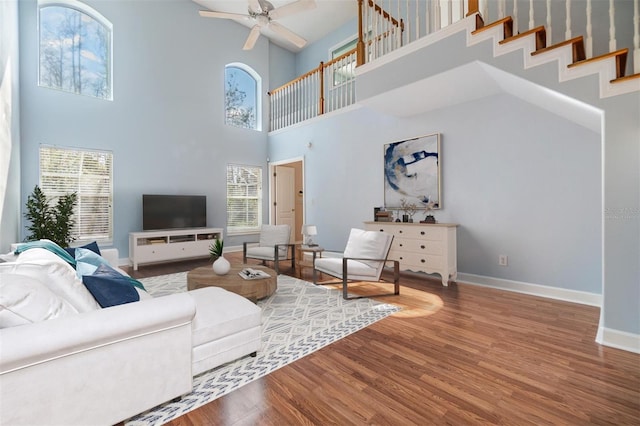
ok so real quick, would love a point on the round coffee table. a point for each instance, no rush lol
(251, 289)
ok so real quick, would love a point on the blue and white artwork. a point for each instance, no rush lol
(412, 172)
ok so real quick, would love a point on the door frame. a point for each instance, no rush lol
(272, 188)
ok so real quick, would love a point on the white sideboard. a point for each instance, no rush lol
(173, 244)
(422, 247)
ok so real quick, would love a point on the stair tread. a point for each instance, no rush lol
(601, 57)
(626, 78)
(524, 34)
(574, 40)
(502, 21)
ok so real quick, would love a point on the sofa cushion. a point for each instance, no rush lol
(93, 246)
(110, 288)
(220, 313)
(25, 300)
(56, 274)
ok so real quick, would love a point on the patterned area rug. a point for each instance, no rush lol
(298, 319)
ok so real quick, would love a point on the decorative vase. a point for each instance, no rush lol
(221, 266)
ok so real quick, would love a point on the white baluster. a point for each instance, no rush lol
(549, 29)
(437, 23)
(515, 18)
(567, 33)
(636, 37)
(417, 20)
(589, 44)
(502, 6)
(484, 10)
(449, 12)
(612, 26)
(532, 21)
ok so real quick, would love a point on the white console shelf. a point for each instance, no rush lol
(173, 244)
(422, 247)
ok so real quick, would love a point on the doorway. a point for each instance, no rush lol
(286, 180)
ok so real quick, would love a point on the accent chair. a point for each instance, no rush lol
(274, 246)
(364, 259)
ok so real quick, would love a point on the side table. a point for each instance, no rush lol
(315, 251)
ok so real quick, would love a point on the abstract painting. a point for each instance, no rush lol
(412, 172)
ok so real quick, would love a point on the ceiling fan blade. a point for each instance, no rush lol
(254, 5)
(288, 34)
(223, 15)
(253, 37)
(292, 8)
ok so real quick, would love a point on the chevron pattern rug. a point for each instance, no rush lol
(298, 319)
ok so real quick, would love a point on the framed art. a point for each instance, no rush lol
(412, 172)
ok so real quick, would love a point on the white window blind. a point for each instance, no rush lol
(244, 198)
(89, 174)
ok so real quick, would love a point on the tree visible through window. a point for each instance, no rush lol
(90, 175)
(75, 49)
(241, 97)
(244, 198)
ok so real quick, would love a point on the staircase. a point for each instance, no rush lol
(384, 38)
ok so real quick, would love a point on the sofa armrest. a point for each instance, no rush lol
(36, 343)
(101, 366)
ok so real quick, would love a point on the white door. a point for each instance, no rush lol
(285, 197)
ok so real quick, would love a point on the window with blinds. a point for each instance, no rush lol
(244, 199)
(89, 174)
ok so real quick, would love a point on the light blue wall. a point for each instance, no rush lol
(165, 125)
(318, 51)
(10, 125)
(515, 187)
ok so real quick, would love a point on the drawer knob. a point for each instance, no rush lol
(422, 260)
(382, 230)
(422, 246)
(401, 257)
(400, 244)
(400, 231)
(421, 232)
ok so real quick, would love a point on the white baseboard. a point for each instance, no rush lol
(619, 339)
(575, 296)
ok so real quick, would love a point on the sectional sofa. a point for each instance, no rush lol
(66, 360)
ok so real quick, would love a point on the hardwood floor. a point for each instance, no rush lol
(454, 355)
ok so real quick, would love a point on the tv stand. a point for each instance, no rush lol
(170, 244)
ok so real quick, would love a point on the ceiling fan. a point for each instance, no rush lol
(264, 15)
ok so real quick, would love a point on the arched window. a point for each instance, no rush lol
(242, 99)
(75, 48)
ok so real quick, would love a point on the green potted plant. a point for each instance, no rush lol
(221, 266)
(51, 222)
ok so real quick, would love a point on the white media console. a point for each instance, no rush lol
(173, 244)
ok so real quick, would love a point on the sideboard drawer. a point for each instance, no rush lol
(419, 246)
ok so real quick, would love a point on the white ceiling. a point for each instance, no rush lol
(311, 25)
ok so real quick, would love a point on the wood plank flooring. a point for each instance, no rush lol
(460, 355)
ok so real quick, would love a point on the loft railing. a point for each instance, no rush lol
(321, 90)
(387, 25)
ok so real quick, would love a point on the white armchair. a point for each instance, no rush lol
(274, 246)
(364, 259)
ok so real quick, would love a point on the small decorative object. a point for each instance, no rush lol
(409, 210)
(221, 266)
(428, 218)
(53, 223)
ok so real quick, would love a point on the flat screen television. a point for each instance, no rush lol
(173, 211)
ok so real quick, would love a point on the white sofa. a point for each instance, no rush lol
(105, 365)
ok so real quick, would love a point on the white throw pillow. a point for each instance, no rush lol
(25, 300)
(57, 275)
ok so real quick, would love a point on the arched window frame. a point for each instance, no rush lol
(93, 14)
(258, 95)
